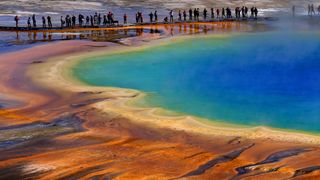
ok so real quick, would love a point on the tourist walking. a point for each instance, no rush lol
(312, 10)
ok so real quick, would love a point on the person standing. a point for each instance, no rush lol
(73, 21)
(190, 14)
(29, 22)
(49, 22)
(312, 10)
(293, 11)
(62, 22)
(252, 12)
(256, 12)
(212, 13)
(125, 17)
(34, 21)
(171, 16)
(184, 15)
(87, 20)
(218, 12)
(16, 19)
(223, 14)
(180, 16)
(205, 14)
(44, 22)
(151, 17)
(156, 16)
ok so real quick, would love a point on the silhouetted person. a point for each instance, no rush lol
(243, 12)
(252, 12)
(99, 19)
(49, 22)
(223, 14)
(151, 17)
(68, 21)
(16, 19)
(80, 19)
(87, 20)
(137, 18)
(180, 15)
(62, 22)
(165, 20)
(156, 16)
(190, 14)
(205, 14)
(212, 13)
(312, 10)
(255, 12)
(184, 15)
(73, 21)
(171, 16)
(29, 22)
(44, 22)
(293, 10)
(105, 20)
(125, 17)
(34, 21)
(91, 21)
(218, 13)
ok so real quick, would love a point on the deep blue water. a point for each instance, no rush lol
(270, 79)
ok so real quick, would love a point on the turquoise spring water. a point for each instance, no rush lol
(270, 79)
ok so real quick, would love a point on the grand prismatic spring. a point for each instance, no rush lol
(208, 98)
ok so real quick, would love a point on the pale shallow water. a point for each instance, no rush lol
(270, 79)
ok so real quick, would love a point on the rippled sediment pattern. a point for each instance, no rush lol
(269, 79)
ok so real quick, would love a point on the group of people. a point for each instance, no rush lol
(243, 12)
(311, 10)
(32, 22)
(215, 13)
(95, 20)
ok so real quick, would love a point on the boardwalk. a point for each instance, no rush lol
(25, 28)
